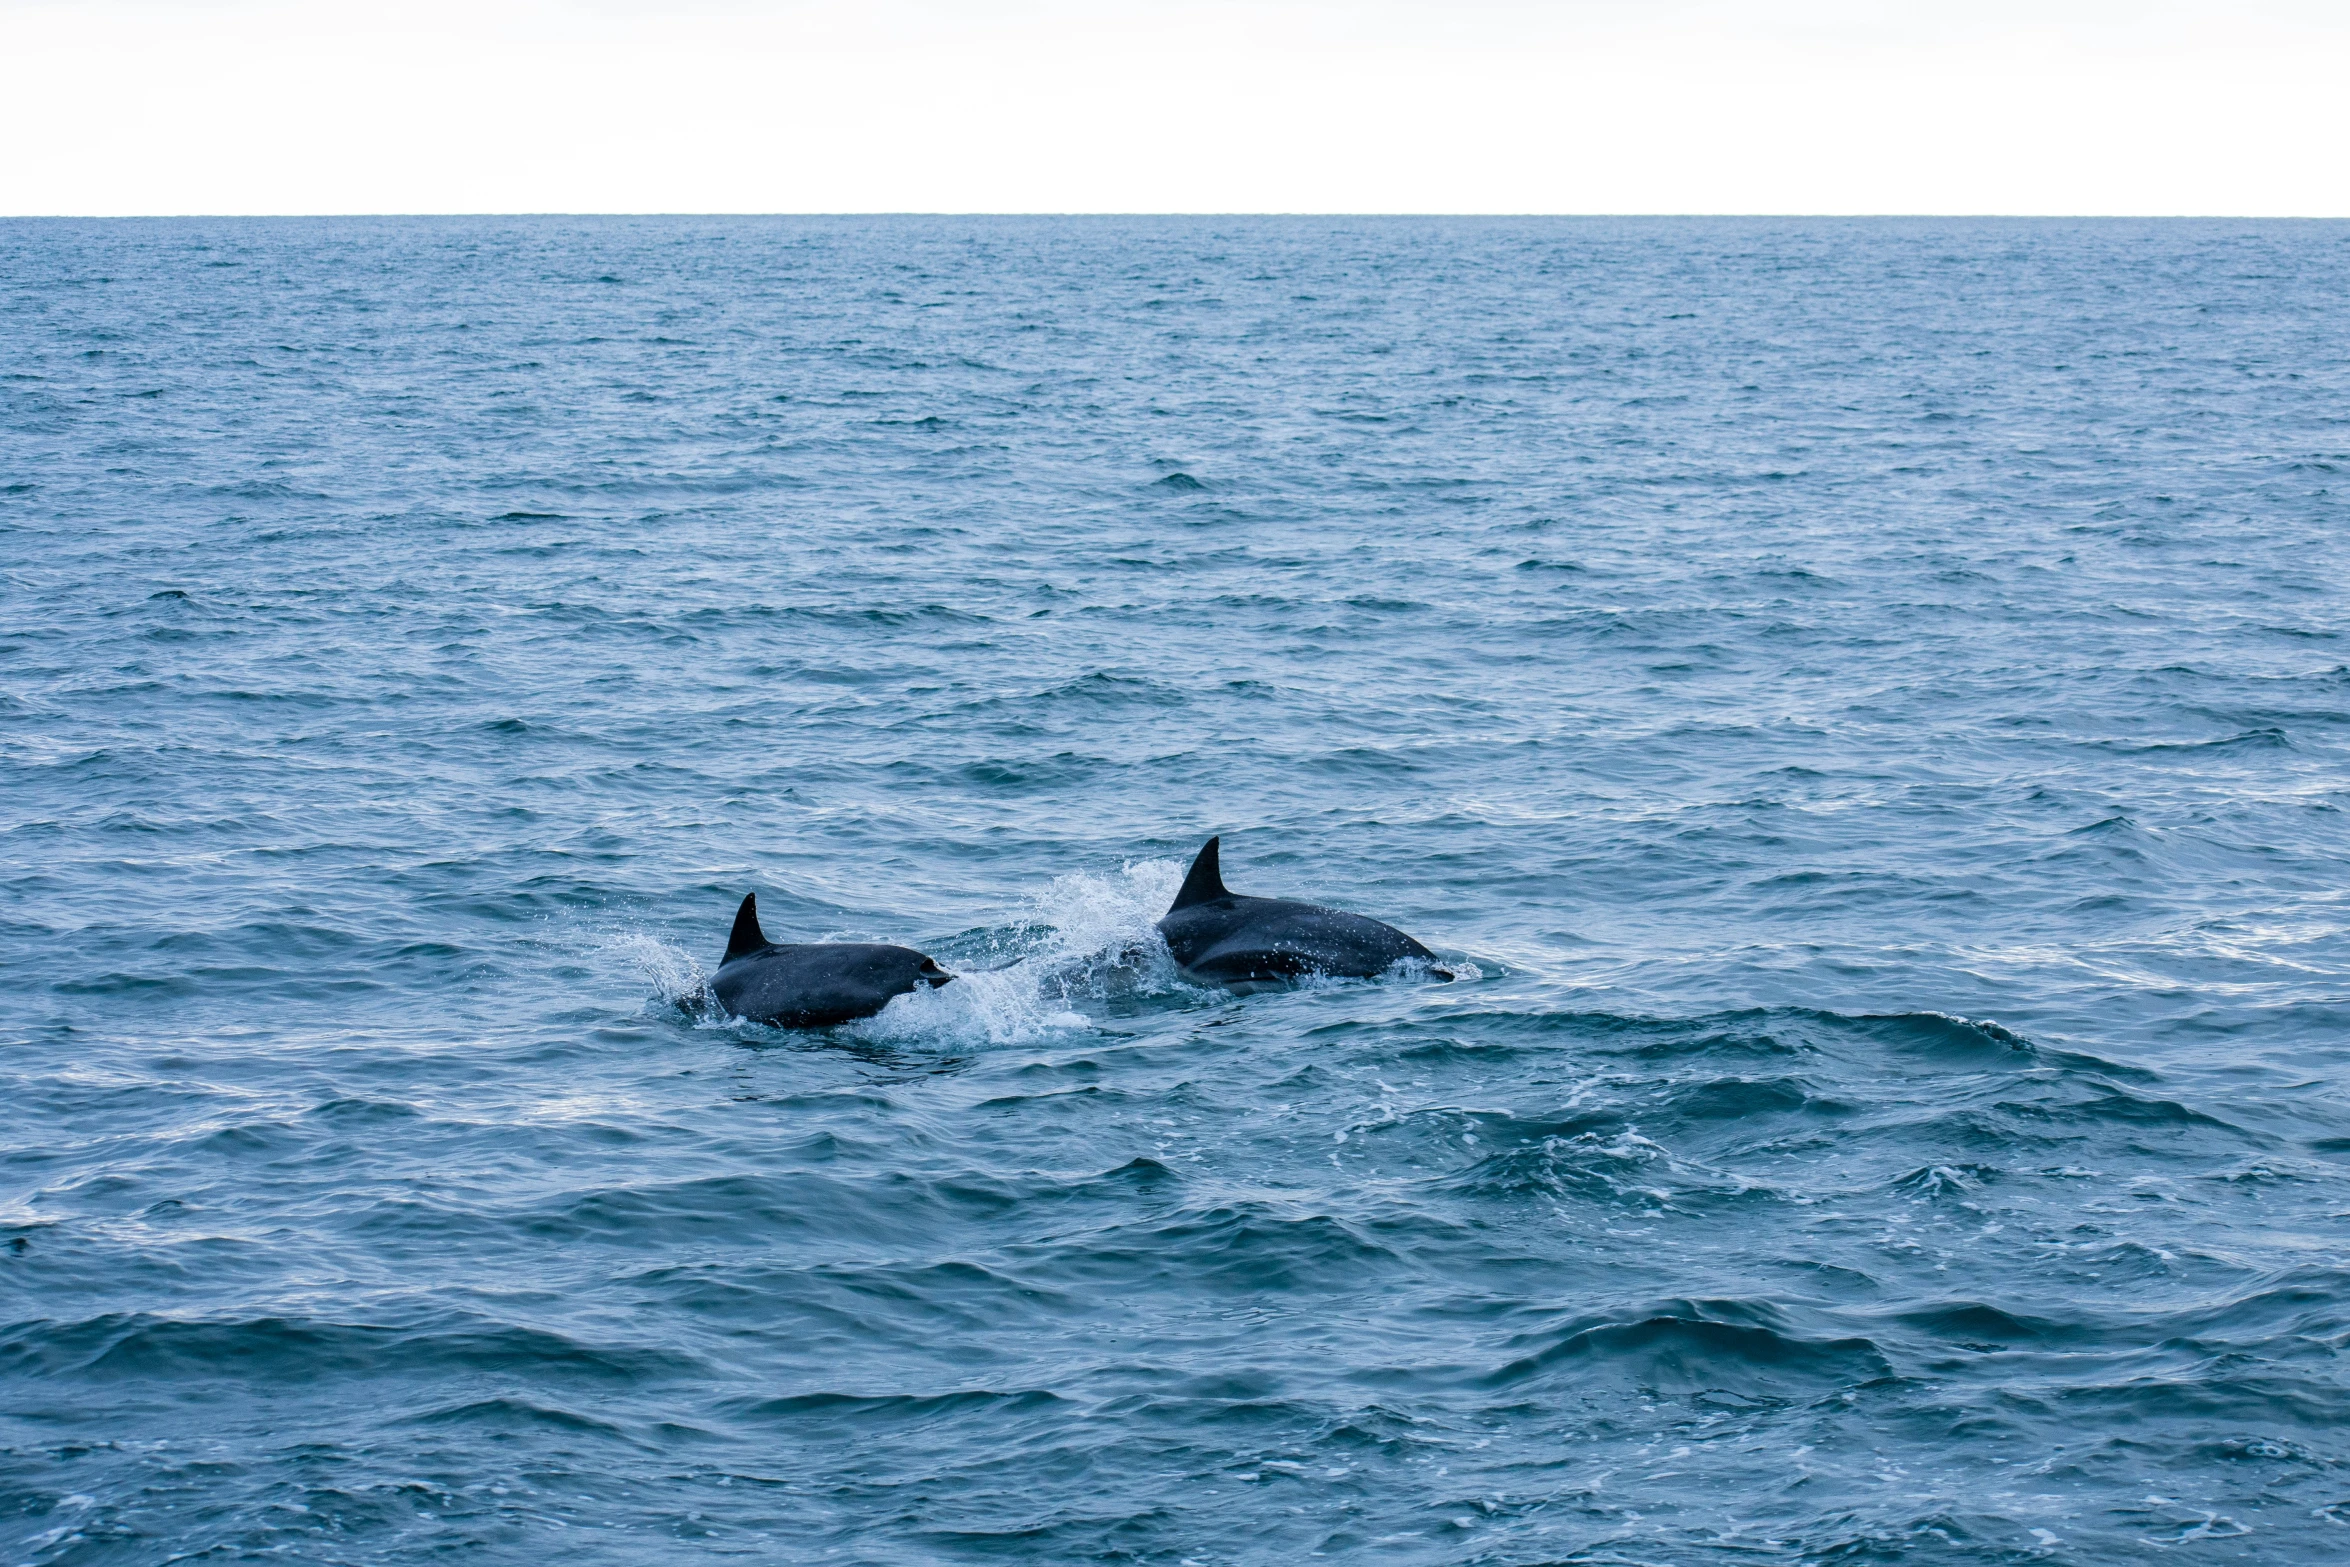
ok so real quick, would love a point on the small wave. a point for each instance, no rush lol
(2265, 738)
(1978, 1325)
(893, 1408)
(278, 1350)
(1945, 1180)
(1592, 1166)
(356, 1112)
(1247, 1248)
(1738, 1098)
(519, 1416)
(1941, 1031)
(1688, 1347)
(2117, 1107)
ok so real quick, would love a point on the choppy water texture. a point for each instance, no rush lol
(1864, 703)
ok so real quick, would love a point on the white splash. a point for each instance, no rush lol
(676, 978)
(1086, 937)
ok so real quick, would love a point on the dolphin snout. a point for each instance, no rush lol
(932, 975)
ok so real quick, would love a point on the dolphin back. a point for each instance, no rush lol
(818, 984)
(1219, 935)
(1237, 941)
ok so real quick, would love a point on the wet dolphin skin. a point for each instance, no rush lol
(1229, 939)
(813, 984)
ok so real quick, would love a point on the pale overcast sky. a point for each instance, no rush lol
(1813, 106)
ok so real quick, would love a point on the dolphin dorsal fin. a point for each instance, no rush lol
(1206, 881)
(747, 937)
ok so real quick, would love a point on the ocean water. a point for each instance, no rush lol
(1865, 706)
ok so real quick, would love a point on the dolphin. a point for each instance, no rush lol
(1227, 939)
(813, 984)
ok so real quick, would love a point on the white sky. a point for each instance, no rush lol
(1815, 106)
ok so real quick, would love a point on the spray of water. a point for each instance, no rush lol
(676, 979)
(1086, 941)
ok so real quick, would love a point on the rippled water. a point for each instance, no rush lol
(1863, 703)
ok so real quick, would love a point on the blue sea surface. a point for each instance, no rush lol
(1863, 705)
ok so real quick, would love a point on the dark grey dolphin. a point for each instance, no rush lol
(813, 984)
(1231, 940)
